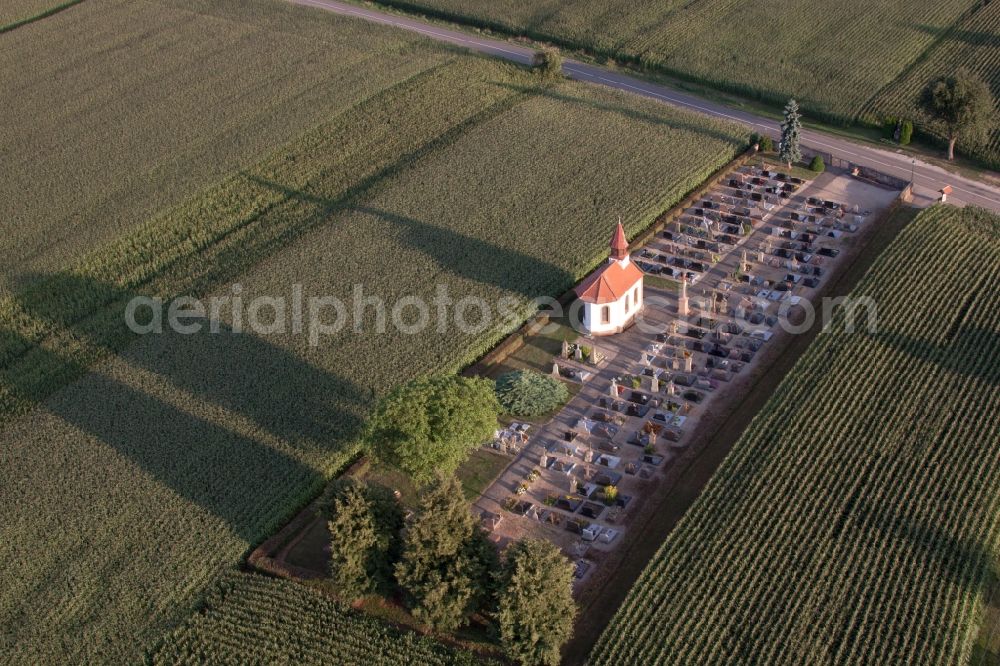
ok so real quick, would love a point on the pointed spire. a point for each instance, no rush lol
(619, 244)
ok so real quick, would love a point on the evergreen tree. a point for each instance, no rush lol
(364, 523)
(536, 603)
(352, 538)
(791, 128)
(444, 569)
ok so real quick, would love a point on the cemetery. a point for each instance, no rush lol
(735, 265)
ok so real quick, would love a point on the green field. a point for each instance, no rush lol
(857, 519)
(974, 44)
(139, 471)
(121, 121)
(838, 59)
(253, 619)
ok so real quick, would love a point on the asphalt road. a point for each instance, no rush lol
(927, 178)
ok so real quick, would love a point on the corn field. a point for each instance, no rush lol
(856, 521)
(974, 44)
(138, 471)
(838, 59)
(145, 126)
(253, 619)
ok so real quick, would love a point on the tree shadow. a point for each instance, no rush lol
(971, 37)
(263, 403)
(269, 385)
(966, 563)
(676, 122)
(985, 342)
(467, 256)
(478, 260)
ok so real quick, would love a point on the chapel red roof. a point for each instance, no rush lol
(619, 244)
(609, 283)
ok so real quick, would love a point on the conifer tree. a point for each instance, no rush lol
(444, 569)
(789, 151)
(536, 602)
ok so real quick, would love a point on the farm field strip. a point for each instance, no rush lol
(16, 13)
(973, 43)
(836, 60)
(804, 547)
(101, 141)
(251, 618)
(187, 450)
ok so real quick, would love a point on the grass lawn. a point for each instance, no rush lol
(479, 470)
(537, 351)
(663, 283)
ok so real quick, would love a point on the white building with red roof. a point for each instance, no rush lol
(612, 295)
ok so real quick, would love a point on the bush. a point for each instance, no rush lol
(548, 62)
(906, 133)
(889, 128)
(763, 141)
(817, 164)
(527, 393)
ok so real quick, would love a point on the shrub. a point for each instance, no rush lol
(906, 133)
(547, 62)
(889, 128)
(610, 494)
(527, 393)
(817, 164)
(763, 141)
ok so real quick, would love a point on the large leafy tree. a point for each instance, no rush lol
(789, 151)
(364, 523)
(447, 564)
(959, 105)
(431, 425)
(536, 608)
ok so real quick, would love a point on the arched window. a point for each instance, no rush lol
(606, 315)
(638, 295)
(627, 306)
